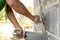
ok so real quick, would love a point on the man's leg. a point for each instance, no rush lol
(20, 8)
(12, 18)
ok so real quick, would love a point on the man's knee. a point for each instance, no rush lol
(10, 2)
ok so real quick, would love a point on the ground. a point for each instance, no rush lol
(6, 30)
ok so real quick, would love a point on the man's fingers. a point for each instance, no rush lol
(20, 31)
(36, 18)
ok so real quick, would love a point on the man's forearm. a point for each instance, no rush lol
(11, 17)
(20, 8)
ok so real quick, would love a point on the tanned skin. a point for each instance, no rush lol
(21, 9)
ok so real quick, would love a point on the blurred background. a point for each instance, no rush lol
(7, 28)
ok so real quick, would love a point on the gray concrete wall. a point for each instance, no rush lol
(52, 21)
(38, 11)
(52, 15)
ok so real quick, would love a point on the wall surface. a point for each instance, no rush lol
(51, 11)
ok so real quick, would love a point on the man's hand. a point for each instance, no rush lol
(36, 18)
(19, 33)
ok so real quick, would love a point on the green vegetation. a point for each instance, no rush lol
(2, 4)
(2, 14)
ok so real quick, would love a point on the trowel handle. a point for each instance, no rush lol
(15, 31)
(24, 33)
